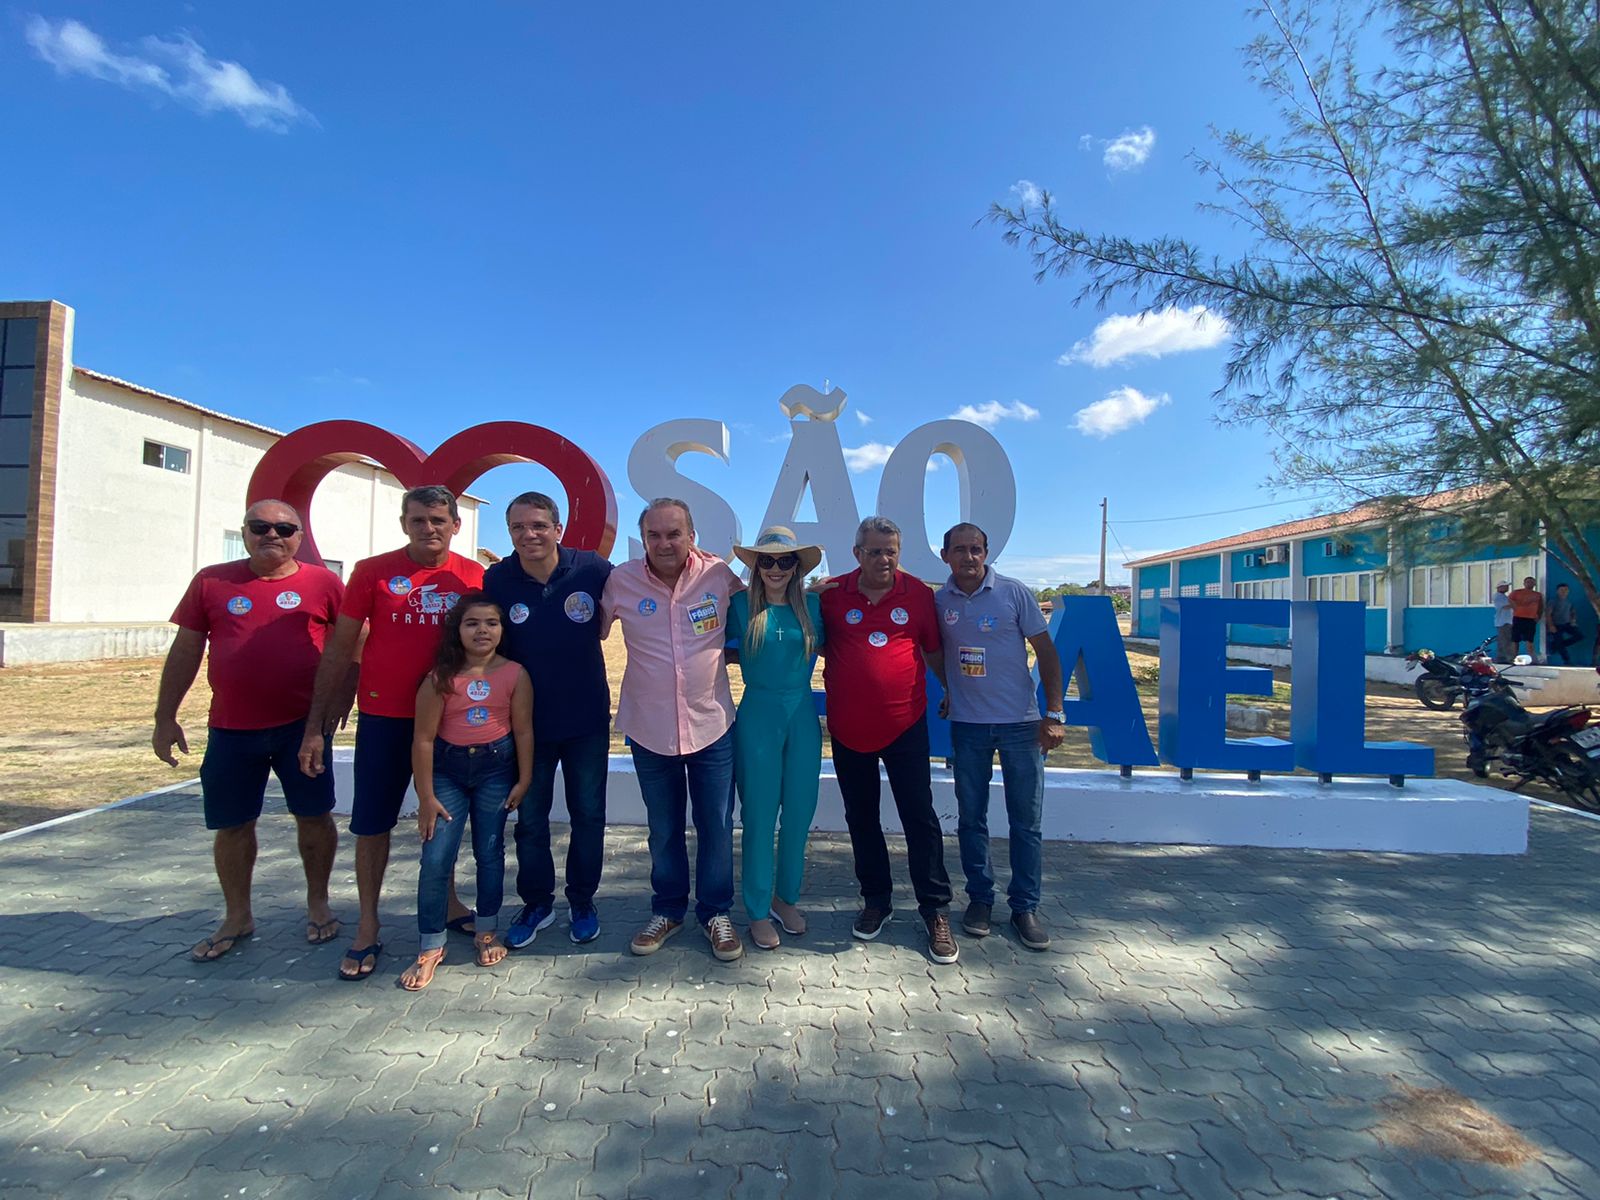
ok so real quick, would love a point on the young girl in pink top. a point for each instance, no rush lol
(471, 756)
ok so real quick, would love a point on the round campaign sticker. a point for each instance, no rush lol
(240, 605)
(951, 616)
(478, 689)
(987, 624)
(519, 613)
(399, 585)
(899, 616)
(647, 606)
(580, 607)
(477, 715)
(288, 599)
(853, 616)
(878, 638)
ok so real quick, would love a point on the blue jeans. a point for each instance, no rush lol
(585, 762)
(469, 781)
(1022, 773)
(703, 780)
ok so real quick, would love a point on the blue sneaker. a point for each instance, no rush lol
(585, 924)
(526, 924)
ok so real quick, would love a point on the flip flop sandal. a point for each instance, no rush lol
(218, 947)
(459, 925)
(326, 931)
(359, 956)
(490, 942)
(426, 969)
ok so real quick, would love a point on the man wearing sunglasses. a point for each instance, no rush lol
(266, 619)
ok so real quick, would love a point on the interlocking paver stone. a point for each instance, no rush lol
(1210, 1023)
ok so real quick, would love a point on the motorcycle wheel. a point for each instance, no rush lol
(1435, 694)
(1580, 780)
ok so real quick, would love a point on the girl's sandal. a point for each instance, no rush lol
(490, 949)
(420, 973)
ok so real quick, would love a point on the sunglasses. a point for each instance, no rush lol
(282, 528)
(765, 562)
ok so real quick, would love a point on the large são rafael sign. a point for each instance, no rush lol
(1327, 721)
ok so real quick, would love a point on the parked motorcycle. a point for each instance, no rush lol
(1446, 678)
(1560, 748)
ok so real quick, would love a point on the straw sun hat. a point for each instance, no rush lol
(778, 540)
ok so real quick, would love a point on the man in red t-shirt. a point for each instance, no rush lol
(880, 626)
(400, 599)
(266, 618)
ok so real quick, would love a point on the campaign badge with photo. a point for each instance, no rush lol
(478, 689)
(240, 605)
(580, 607)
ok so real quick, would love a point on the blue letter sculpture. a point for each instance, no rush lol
(1084, 630)
(1196, 681)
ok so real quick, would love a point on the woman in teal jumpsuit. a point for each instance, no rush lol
(774, 632)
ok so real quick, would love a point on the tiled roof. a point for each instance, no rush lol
(1361, 514)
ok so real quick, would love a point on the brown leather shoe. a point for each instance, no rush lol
(870, 922)
(724, 938)
(654, 935)
(942, 946)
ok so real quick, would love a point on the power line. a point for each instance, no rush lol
(1221, 512)
(1126, 553)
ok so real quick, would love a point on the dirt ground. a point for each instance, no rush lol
(78, 734)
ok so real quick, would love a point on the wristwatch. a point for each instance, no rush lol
(1056, 715)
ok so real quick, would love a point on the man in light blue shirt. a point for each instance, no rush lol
(987, 622)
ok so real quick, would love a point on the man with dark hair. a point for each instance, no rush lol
(551, 596)
(1562, 621)
(880, 629)
(400, 600)
(988, 621)
(266, 619)
(677, 712)
(1527, 607)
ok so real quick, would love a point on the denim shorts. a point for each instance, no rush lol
(383, 772)
(233, 774)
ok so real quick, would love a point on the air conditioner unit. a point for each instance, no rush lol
(1251, 560)
(1334, 548)
(1275, 554)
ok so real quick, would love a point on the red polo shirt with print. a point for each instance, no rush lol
(875, 680)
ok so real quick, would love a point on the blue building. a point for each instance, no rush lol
(1422, 585)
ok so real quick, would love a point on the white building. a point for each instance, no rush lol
(90, 463)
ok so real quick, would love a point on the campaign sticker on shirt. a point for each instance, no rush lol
(971, 659)
(987, 623)
(580, 607)
(478, 689)
(400, 586)
(288, 599)
(951, 616)
(477, 715)
(518, 613)
(703, 617)
(878, 637)
(240, 605)
(899, 616)
(647, 606)
(853, 616)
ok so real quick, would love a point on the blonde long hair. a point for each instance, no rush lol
(795, 594)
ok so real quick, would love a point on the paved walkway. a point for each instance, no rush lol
(1211, 1023)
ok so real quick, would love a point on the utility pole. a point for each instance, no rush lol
(1101, 583)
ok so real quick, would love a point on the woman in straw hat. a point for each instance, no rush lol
(774, 633)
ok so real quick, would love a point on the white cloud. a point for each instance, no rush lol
(178, 68)
(991, 412)
(1151, 335)
(1121, 409)
(864, 458)
(1127, 150)
(862, 417)
(1029, 193)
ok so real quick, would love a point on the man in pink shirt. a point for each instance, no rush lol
(677, 713)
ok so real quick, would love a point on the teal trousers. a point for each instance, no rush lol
(777, 756)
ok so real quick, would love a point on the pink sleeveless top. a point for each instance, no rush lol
(479, 710)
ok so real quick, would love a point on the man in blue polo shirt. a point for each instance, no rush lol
(987, 622)
(551, 596)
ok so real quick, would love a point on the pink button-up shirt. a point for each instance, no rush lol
(675, 697)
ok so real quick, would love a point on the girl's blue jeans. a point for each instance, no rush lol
(470, 781)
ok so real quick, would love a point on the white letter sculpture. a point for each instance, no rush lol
(988, 490)
(816, 458)
(653, 473)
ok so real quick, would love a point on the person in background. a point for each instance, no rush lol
(1562, 622)
(472, 758)
(677, 713)
(265, 618)
(1527, 606)
(1504, 646)
(774, 633)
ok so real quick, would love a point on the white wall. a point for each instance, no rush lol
(129, 537)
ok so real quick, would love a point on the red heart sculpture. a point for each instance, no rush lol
(293, 467)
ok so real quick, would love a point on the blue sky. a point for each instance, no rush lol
(598, 218)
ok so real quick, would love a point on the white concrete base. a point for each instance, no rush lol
(1427, 816)
(23, 644)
